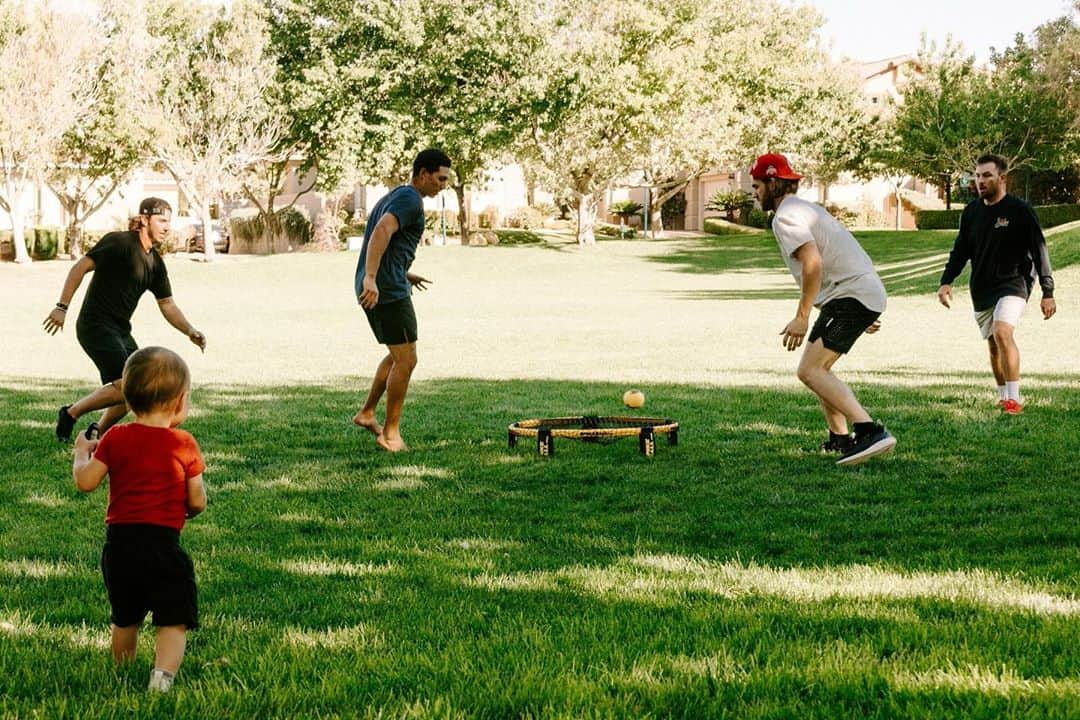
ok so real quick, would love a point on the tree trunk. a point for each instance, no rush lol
(209, 251)
(74, 234)
(18, 226)
(462, 213)
(898, 207)
(586, 218)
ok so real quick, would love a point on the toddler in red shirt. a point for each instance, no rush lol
(155, 482)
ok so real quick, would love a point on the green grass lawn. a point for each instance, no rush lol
(738, 574)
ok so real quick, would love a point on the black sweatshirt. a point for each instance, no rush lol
(1006, 248)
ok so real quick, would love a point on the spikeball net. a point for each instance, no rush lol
(593, 428)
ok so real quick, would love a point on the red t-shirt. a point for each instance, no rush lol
(148, 472)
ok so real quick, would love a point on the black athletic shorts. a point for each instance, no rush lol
(394, 323)
(109, 349)
(841, 322)
(146, 570)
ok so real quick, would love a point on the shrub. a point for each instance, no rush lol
(673, 207)
(432, 221)
(291, 222)
(844, 215)
(604, 229)
(547, 210)
(517, 237)
(1052, 215)
(730, 202)
(42, 243)
(626, 209)
(758, 218)
(717, 226)
(488, 218)
(350, 229)
(524, 218)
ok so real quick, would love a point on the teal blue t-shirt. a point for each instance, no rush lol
(404, 203)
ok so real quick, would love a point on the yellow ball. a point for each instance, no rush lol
(633, 398)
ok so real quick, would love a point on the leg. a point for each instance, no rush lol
(111, 416)
(169, 645)
(996, 361)
(1008, 353)
(105, 396)
(815, 371)
(835, 419)
(125, 642)
(365, 416)
(397, 385)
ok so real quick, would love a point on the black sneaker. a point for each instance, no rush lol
(873, 442)
(838, 444)
(64, 425)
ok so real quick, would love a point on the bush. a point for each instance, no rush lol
(604, 229)
(350, 229)
(759, 219)
(291, 222)
(487, 218)
(517, 237)
(547, 210)
(1052, 215)
(1049, 216)
(450, 217)
(937, 219)
(730, 202)
(718, 226)
(846, 217)
(42, 243)
(524, 218)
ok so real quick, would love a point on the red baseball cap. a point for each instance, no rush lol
(773, 165)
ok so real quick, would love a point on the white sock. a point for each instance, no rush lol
(1012, 390)
(160, 680)
(1002, 393)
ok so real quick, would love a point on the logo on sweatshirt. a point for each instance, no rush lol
(1001, 222)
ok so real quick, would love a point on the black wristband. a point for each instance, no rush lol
(62, 306)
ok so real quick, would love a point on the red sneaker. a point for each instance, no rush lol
(1011, 407)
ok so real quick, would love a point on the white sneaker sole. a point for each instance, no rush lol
(881, 447)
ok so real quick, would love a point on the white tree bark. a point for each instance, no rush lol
(586, 212)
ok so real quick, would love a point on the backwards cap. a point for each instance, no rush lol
(773, 165)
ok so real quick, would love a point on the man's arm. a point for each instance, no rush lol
(958, 258)
(377, 244)
(1040, 258)
(171, 312)
(56, 318)
(810, 259)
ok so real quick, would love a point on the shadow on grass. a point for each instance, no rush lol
(740, 569)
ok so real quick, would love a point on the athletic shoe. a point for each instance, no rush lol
(64, 425)
(839, 444)
(1012, 407)
(876, 441)
(1001, 404)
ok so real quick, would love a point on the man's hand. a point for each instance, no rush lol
(417, 281)
(1048, 307)
(794, 332)
(369, 295)
(944, 295)
(197, 338)
(55, 321)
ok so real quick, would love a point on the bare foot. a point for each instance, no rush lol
(368, 422)
(391, 445)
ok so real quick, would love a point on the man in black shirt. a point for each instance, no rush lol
(1000, 235)
(125, 265)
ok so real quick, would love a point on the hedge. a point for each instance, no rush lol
(717, 226)
(1049, 216)
(42, 243)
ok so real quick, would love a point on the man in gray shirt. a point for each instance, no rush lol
(835, 275)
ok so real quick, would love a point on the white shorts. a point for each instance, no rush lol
(1007, 310)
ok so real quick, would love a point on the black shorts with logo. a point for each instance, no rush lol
(841, 322)
(108, 348)
(394, 323)
(146, 570)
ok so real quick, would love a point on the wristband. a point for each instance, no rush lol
(61, 306)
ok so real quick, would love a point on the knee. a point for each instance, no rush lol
(1002, 336)
(807, 374)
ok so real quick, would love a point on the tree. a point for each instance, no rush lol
(216, 121)
(110, 138)
(44, 86)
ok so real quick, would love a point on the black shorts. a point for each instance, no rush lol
(109, 349)
(394, 323)
(841, 322)
(145, 570)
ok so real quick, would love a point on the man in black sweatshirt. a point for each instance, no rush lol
(1000, 235)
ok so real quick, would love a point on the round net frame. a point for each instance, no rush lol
(593, 428)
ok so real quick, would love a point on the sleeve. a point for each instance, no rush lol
(160, 285)
(104, 449)
(791, 232)
(105, 248)
(960, 253)
(1040, 258)
(407, 207)
(192, 458)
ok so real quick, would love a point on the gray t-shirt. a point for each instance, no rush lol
(404, 203)
(846, 270)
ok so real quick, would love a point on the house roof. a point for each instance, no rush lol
(873, 68)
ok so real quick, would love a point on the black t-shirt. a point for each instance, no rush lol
(1006, 248)
(123, 271)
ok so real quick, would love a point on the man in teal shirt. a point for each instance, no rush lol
(383, 286)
